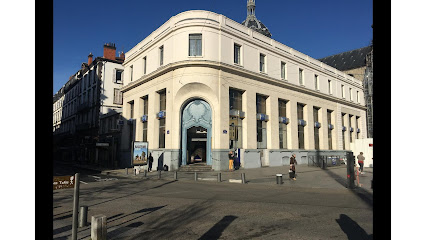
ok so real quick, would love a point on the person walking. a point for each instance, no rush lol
(150, 160)
(293, 163)
(361, 159)
(231, 160)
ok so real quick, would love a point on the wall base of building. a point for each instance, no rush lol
(220, 159)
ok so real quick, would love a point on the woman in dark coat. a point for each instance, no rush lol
(150, 160)
(293, 163)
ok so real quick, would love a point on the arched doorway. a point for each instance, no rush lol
(196, 132)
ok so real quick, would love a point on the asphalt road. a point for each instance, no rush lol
(161, 209)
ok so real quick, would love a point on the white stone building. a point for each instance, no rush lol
(202, 84)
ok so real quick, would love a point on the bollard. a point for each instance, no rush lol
(159, 174)
(145, 173)
(175, 175)
(219, 177)
(99, 227)
(82, 220)
(135, 171)
(127, 171)
(350, 170)
(279, 178)
(196, 177)
(243, 178)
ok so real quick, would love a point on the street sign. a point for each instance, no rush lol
(62, 182)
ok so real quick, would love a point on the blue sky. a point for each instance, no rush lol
(316, 28)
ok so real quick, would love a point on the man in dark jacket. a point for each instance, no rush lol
(150, 160)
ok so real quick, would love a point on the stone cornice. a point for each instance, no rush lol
(238, 71)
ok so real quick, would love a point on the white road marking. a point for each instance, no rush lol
(94, 176)
(84, 182)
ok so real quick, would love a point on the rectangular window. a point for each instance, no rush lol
(118, 77)
(262, 63)
(145, 124)
(329, 87)
(283, 70)
(343, 132)
(316, 82)
(301, 129)
(350, 94)
(235, 132)
(316, 130)
(330, 142)
(235, 99)
(356, 127)
(261, 134)
(118, 96)
(162, 100)
(131, 73)
(260, 104)
(343, 91)
(301, 76)
(161, 55)
(282, 112)
(357, 96)
(162, 139)
(144, 65)
(131, 107)
(350, 125)
(195, 44)
(237, 54)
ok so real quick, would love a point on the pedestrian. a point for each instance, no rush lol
(150, 160)
(231, 160)
(293, 163)
(236, 160)
(361, 159)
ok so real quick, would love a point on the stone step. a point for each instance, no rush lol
(195, 168)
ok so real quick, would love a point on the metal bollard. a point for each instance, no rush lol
(279, 178)
(135, 172)
(159, 174)
(82, 220)
(144, 173)
(196, 177)
(243, 178)
(219, 177)
(98, 229)
(175, 175)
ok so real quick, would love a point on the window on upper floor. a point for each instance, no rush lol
(301, 80)
(329, 87)
(195, 44)
(343, 91)
(316, 79)
(262, 63)
(161, 49)
(237, 54)
(144, 65)
(283, 70)
(350, 94)
(118, 96)
(118, 78)
(131, 73)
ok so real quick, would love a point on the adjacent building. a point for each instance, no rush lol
(84, 119)
(202, 84)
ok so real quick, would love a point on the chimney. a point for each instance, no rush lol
(121, 57)
(109, 51)
(89, 61)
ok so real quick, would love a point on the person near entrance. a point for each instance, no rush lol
(361, 159)
(231, 160)
(293, 162)
(150, 160)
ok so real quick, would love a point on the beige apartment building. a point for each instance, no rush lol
(202, 84)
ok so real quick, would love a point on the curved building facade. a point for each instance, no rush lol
(202, 84)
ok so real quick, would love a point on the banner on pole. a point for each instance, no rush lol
(140, 153)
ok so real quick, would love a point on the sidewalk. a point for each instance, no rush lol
(307, 176)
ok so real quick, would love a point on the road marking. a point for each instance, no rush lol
(84, 182)
(94, 176)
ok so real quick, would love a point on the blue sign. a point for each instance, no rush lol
(302, 122)
(284, 120)
(161, 114)
(330, 126)
(144, 118)
(168, 131)
(224, 131)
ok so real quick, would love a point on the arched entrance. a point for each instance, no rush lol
(196, 132)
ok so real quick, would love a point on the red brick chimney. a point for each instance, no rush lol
(89, 61)
(109, 51)
(121, 57)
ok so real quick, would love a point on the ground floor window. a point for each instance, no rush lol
(145, 131)
(343, 140)
(283, 135)
(235, 133)
(261, 134)
(162, 138)
(301, 135)
(316, 136)
(330, 142)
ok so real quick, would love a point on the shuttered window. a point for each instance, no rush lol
(118, 96)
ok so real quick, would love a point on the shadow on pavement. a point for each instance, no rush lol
(216, 231)
(351, 228)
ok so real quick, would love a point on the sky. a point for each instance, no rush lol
(316, 28)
